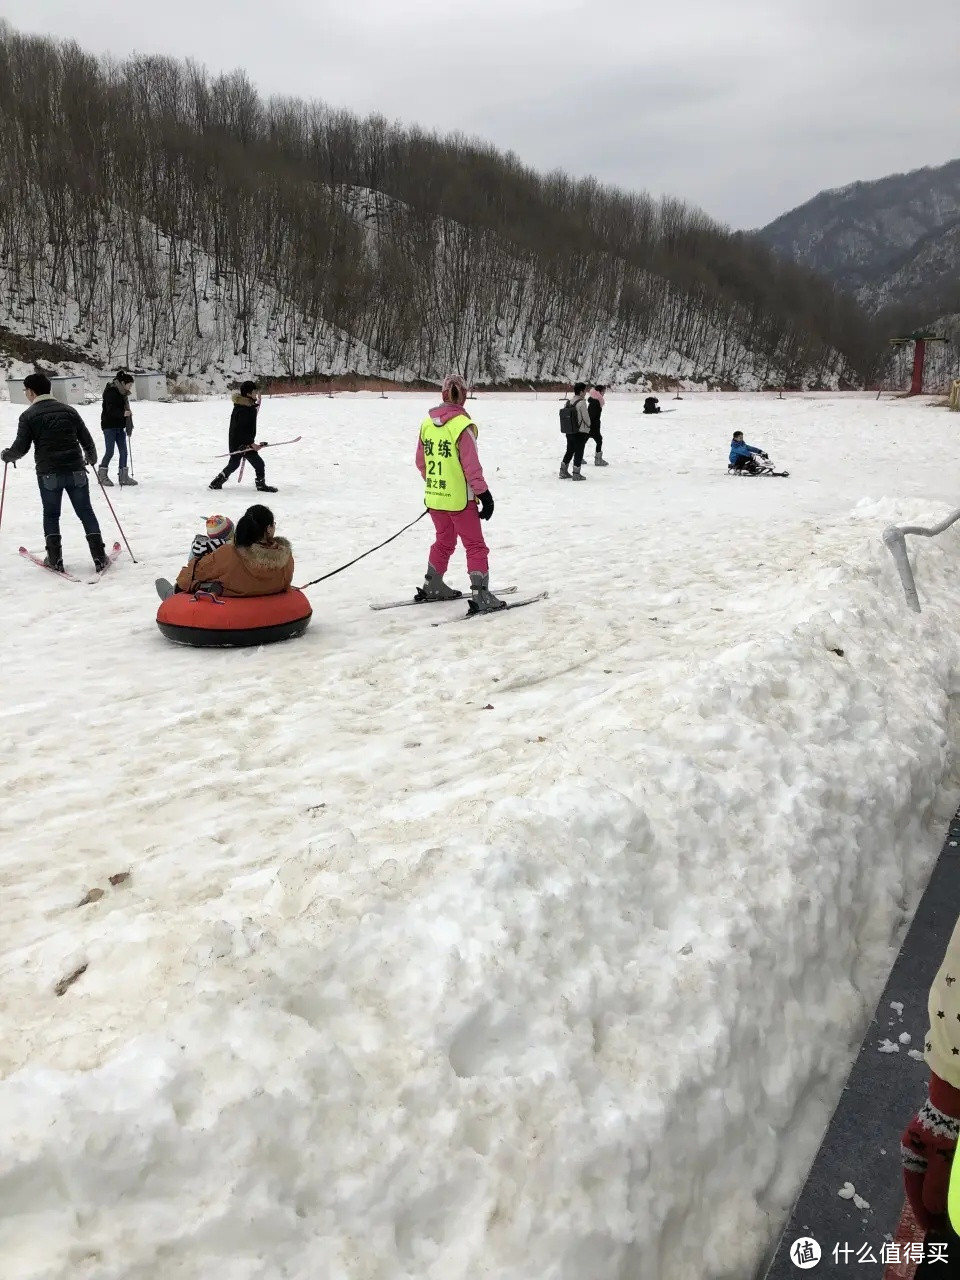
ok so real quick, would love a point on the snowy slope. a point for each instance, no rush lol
(530, 947)
(202, 338)
(510, 336)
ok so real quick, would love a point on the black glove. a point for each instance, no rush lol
(486, 504)
(764, 456)
(5, 456)
(130, 429)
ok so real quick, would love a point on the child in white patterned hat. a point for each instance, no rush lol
(219, 531)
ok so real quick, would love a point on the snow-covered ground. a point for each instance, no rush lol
(530, 948)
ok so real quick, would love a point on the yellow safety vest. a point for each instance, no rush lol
(446, 483)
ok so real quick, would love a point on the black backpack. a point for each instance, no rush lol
(569, 419)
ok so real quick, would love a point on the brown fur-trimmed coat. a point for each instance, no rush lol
(261, 570)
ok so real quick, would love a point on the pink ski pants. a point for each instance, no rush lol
(465, 525)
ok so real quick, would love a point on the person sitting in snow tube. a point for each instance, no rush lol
(742, 455)
(256, 563)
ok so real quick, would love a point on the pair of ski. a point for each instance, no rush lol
(463, 617)
(765, 471)
(278, 444)
(112, 555)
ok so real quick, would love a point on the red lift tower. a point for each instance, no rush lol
(921, 337)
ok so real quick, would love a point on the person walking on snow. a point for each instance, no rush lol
(116, 422)
(447, 459)
(742, 454)
(242, 438)
(62, 448)
(576, 440)
(595, 403)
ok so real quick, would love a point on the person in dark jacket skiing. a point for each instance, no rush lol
(62, 448)
(595, 403)
(651, 404)
(242, 438)
(116, 422)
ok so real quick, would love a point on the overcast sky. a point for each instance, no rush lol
(745, 107)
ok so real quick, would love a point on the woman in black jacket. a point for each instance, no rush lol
(116, 422)
(242, 440)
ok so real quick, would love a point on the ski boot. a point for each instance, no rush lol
(263, 487)
(577, 474)
(54, 557)
(564, 473)
(104, 478)
(98, 551)
(434, 588)
(600, 460)
(165, 589)
(482, 599)
(217, 481)
(125, 477)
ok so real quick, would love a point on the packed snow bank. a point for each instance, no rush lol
(536, 946)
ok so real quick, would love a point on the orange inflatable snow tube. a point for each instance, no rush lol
(228, 622)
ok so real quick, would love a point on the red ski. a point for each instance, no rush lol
(266, 445)
(112, 555)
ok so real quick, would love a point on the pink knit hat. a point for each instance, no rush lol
(219, 527)
(454, 381)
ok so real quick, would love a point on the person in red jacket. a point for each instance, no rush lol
(447, 459)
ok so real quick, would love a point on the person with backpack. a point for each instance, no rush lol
(575, 425)
(62, 449)
(242, 438)
(116, 423)
(448, 461)
(595, 404)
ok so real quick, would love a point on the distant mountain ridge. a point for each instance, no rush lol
(891, 242)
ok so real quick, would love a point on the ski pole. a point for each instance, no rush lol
(3, 491)
(114, 514)
(243, 463)
(130, 451)
(265, 445)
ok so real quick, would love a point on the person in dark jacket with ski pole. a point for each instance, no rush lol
(116, 422)
(242, 438)
(62, 448)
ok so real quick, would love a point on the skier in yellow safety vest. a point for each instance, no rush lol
(928, 1144)
(448, 461)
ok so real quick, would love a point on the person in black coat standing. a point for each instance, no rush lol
(62, 449)
(242, 438)
(595, 404)
(116, 422)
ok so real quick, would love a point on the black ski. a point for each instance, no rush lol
(514, 604)
(402, 604)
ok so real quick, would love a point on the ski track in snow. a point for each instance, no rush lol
(401, 986)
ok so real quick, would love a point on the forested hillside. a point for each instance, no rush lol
(152, 213)
(894, 244)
